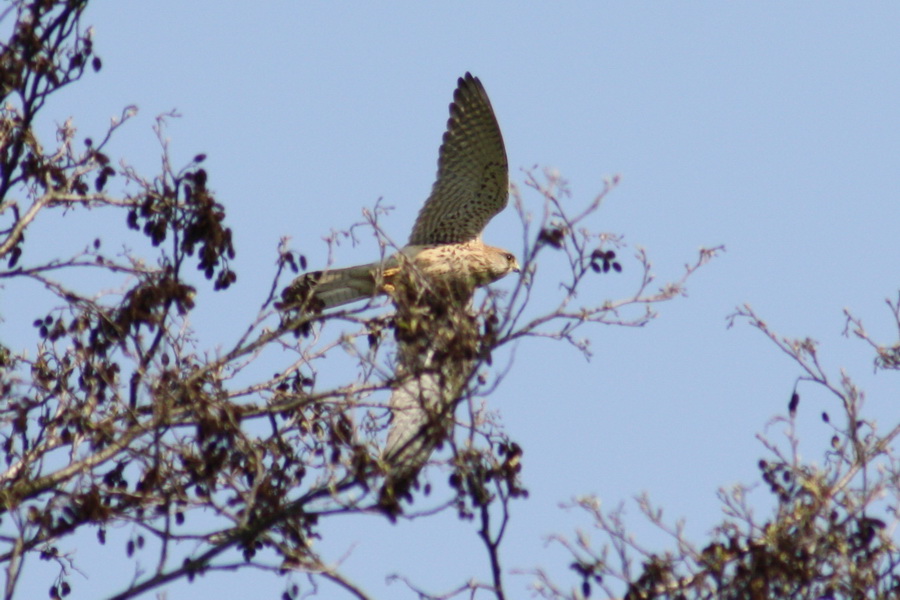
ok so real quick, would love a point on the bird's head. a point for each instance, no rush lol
(500, 263)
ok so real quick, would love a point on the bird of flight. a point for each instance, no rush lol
(445, 247)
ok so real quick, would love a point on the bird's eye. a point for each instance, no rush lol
(510, 257)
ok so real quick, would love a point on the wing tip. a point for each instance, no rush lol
(468, 83)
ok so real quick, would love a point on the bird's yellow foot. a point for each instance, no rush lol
(388, 275)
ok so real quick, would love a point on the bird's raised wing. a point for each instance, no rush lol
(473, 175)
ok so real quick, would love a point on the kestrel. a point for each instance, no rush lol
(445, 246)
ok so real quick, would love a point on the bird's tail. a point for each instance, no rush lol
(326, 289)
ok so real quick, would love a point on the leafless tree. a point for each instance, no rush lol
(115, 412)
(831, 532)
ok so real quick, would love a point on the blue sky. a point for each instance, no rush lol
(771, 128)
